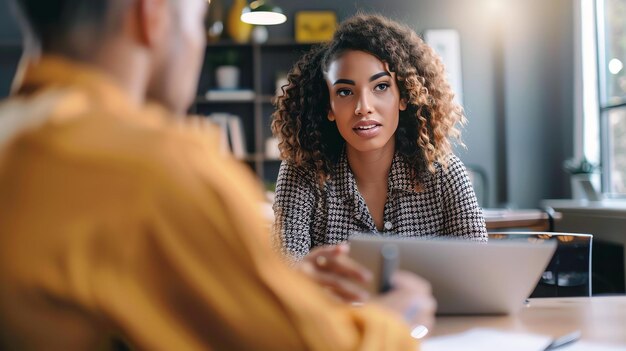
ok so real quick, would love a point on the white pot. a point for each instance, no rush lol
(584, 186)
(227, 77)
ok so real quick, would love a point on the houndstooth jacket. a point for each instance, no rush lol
(309, 215)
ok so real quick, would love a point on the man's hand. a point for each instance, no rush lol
(411, 298)
(332, 268)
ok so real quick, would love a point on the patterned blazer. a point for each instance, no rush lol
(309, 215)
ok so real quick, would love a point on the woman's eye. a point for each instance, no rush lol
(382, 87)
(344, 92)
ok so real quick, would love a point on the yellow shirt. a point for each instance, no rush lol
(120, 221)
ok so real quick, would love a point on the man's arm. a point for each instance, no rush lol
(202, 274)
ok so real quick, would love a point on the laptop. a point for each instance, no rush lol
(466, 277)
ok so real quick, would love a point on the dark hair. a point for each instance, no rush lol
(51, 23)
(425, 128)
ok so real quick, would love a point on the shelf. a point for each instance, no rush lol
(276, 43)
(266, 99)
(287, 43)
(249, 158)
(261, 65)
(203, 100)
(227, 43)
(263, 99)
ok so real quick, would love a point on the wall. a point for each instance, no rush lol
(9, 46)
(517, 62)
(539, 98)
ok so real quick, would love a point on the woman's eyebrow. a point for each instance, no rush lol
(344, 81)
(372, 78)
(378, 75)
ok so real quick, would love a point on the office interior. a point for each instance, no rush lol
(526, 91)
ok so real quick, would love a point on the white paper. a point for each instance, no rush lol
(497, 340)
(487, 340)
(592, 346)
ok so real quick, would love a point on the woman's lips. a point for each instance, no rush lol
(367, 129)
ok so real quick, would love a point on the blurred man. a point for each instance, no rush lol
(120, 222)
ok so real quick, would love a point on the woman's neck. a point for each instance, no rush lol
(371, 167)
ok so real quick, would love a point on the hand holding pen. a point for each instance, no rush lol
(405, 293)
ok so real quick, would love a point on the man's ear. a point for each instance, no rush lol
(152, 18)
(403, 104)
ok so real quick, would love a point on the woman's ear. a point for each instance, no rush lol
(403, 104)
(331, 116)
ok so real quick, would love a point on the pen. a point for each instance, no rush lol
(389, 261)
(563, 340)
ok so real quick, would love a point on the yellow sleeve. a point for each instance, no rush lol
(200, 273)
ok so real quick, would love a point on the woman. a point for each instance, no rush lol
(365, 127)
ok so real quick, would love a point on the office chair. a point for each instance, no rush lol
(569, 271)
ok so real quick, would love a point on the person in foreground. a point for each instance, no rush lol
(364, 126)
(119, 222)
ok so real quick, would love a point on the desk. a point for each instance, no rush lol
(605, 220)
(598, 318)
(535, 220)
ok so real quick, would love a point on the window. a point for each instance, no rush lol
(611, 45)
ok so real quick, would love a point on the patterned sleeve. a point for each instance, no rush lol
(463, 217)
(293, 210)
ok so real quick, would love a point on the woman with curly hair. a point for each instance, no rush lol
(365, 128)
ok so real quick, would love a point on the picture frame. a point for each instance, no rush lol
(315, 26)
(447, 44)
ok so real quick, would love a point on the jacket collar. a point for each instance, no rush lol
(399, 177)
(50, 72)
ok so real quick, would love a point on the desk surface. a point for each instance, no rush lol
(598, 318)
(532, 219)
(611, 207)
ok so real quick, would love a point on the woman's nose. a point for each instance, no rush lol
(363, 106)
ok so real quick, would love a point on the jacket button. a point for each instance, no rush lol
(388, 226)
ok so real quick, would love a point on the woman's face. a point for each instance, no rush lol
(364, 100)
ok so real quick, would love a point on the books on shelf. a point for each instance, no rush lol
(232, 136)
(230, 95)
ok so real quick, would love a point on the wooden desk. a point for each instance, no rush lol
(598, 318)
(535, 220)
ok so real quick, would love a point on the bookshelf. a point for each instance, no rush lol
(260, 65)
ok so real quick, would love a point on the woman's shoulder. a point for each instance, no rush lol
(291, 172)
(451, 167)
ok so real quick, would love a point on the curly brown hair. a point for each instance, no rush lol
(425, 128)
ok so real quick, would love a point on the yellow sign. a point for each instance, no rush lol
(315, 26)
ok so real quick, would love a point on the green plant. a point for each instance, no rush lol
(225, 58)
(582, 166)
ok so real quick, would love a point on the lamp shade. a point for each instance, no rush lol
(262, 13)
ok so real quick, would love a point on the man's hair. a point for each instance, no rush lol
(52, 23)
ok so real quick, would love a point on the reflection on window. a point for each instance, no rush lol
(614, 51)
(617, 149)
(611, 24)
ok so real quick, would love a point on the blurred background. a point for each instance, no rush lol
(542, 84)
(520, 71)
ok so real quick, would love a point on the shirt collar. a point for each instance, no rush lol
(51, 71)
(399, 176)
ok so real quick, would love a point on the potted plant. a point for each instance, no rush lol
(227, 69)
(582, 172)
